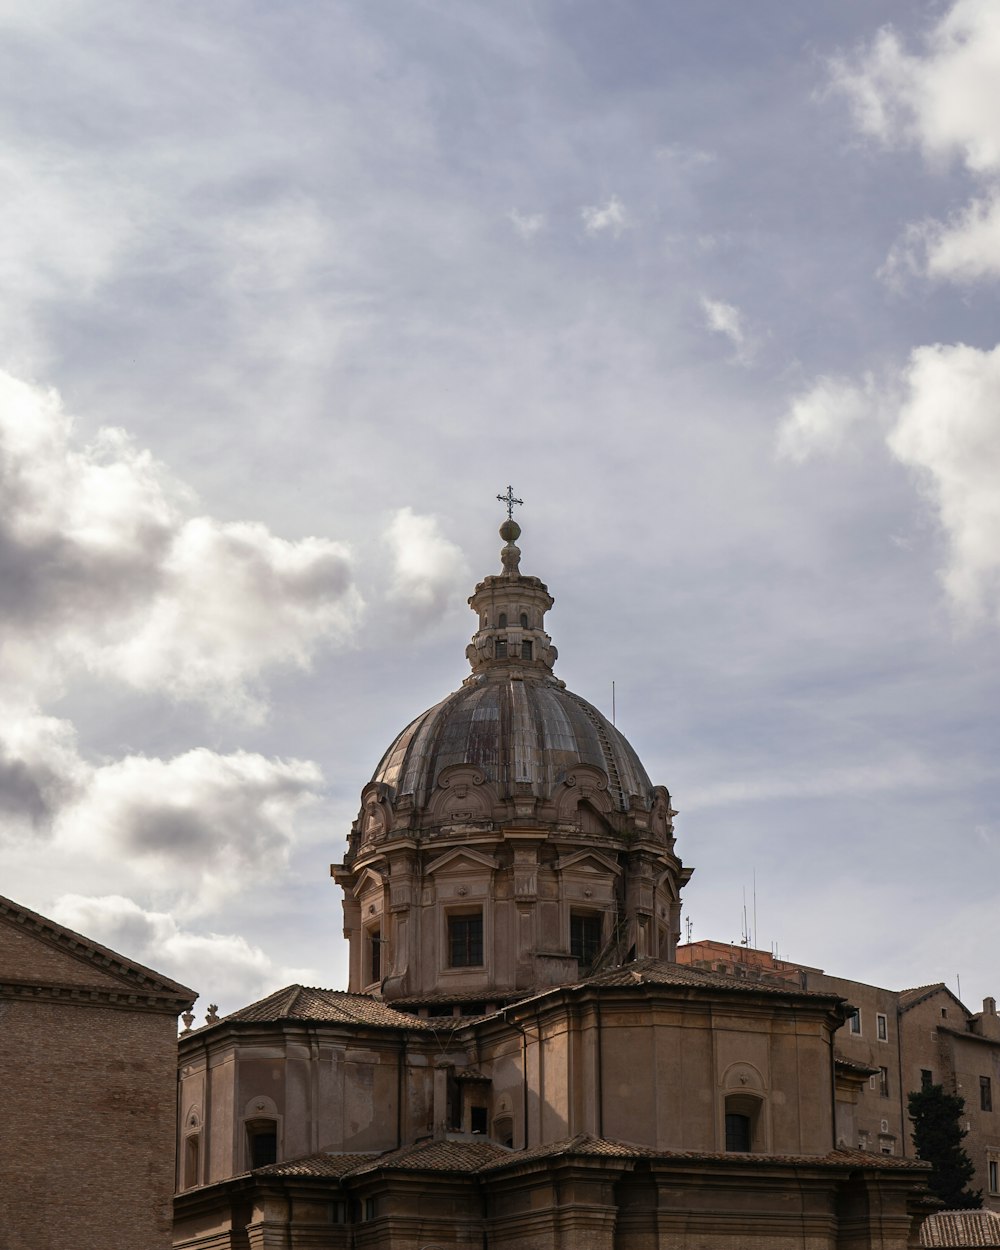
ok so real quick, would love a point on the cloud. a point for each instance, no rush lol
(612, 217)
(944, 101)
(964, 249)
(948, 432)
(215, 964)
(527, 225)
(427, 569)
(727, 320)
(209, 824)
(103, 567)
(818, 420)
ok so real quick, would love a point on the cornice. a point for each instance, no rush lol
(121, 998)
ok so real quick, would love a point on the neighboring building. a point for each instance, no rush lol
(519, 1060)
(898, 1040)
(88, 1070)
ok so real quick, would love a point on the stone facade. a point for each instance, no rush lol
(88, 1057)
(519, 1061)
(895, 1041)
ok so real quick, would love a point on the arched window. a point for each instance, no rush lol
(524, 620)
(502, 622)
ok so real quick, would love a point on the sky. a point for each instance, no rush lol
(289, 293)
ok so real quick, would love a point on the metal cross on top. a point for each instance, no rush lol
(510, 501)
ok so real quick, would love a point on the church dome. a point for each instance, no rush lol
(509, 838)
(524, 734)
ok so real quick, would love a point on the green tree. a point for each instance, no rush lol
(937, 1136)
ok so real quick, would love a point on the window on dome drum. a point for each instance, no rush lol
(854, 1020)
(500, 648)
(526, 650)
(524, 620)
(881, 1027)
(465, 941)
(737, 1131)
(502, 623)
(584, 937)
(985, 1094)
(262, 1142)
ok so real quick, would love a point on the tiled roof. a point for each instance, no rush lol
(323, 1164)
(961, 1228)
(299, 1002)
(658, 972)
(908, 998)
(438, 1156)
(583, 1144)
(864, 1069)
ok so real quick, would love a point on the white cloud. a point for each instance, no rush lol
(727, 320)
(948, 431)
(527, 225)
(217, 965)
(103, 567)
(819, 419)
(612, 217)
(943, 100)
(208, 824)
(428, 569)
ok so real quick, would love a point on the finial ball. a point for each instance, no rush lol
(510, 531)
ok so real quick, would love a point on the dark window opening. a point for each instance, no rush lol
(883, 1082)
(524, 620)
(737, 1131)
(465, 941)
(882, 1028)
(526, 650)
(584, 938)
(855, 1021)
(985, 1094)
(375, 954)
(479, 1119)
(502, 623)
(500, 648)
(441, 1009)
(926, 1078)
(263, 1143)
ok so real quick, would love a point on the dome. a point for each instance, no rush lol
(521, 733)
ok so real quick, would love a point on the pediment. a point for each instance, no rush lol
(37, 951)
(369, 880)
(588, 862)
(462, 859)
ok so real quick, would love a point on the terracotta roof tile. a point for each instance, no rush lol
(659, 972)
(438, 1156)
(961, 1228)
(299, 1002)
(323, 1164)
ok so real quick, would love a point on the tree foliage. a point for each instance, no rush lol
(937, 1136)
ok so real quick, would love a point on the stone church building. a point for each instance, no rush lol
(519, 1060)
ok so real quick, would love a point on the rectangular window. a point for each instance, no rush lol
(479, 1119)
(881, 1027)
(465, 941)
(854, 1020)
(926, 1078)
(873, 1082)
(500, 648)
(584, 937)
(526, 649)
(738, 1132)
(985, 1094)
(883, 1082)
(994, 1172)
(375, 954)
